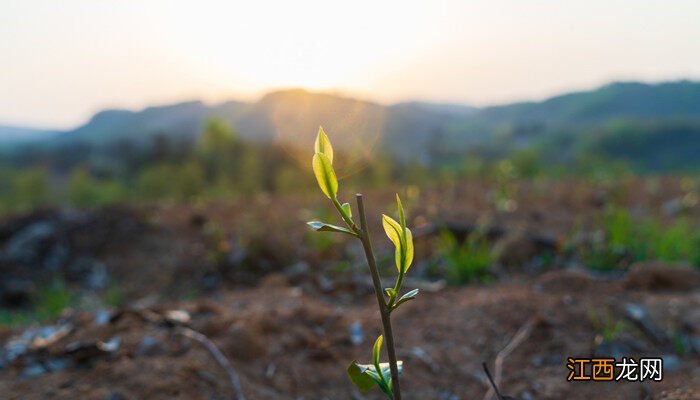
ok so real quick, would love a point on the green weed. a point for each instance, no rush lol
(467, 261)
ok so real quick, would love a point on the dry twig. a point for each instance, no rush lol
(517, 339)
(218, 356)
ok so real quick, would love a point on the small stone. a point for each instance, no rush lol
(357, 334)
(110, 346)
(25, 246)
(33, 370)
(526, 395)
(695, 342)
(297, 271)
(102, 317)
(178, 316)
(448, 395)
(149, 346)
(671, 362)
(115, 395)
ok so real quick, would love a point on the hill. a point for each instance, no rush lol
(580, 121)
(13, 135)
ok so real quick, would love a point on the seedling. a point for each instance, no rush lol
(365, 376)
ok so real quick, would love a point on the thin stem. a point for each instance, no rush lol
(383, 308)
(397, 289)
(344, 215)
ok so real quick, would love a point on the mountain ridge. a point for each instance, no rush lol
(408, 130)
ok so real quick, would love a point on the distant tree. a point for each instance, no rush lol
(81, 188)
(154, 182)
(217, 148)
(190, 181)
(28, 189)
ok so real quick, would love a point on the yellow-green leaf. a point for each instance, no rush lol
(402, 217)
(377, 349)
(323, 145)
(325, 175)
(409, 249)
(402, 241)
(392, 230)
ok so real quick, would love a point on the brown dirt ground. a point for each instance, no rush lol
(288, 338)
(285, 344)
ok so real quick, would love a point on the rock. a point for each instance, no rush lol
(211, 280)
(33, 370)
(679, 205)
(36, 368)
(29, 244)
(671, 362)
(102, 317)
(32, 339)
(325, 284)
(86, 351)
(115, 395)
(298, 271)
(56, 257)
(177, 317)
(89, 272)
(614, 348)
(641, 317)
(357, 334)
(110, 346)
(448, 395)
(659, 276)
(149, 346)
(526, 395)
(695, 343)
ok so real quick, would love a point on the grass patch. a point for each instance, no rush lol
(48, 302)
(623, 240)
(467, 261)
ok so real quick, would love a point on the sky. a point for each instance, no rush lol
(61, 61)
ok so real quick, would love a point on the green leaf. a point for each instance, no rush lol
(323, 144)
(402, 216)
(365, 376)
(409, 250)
(325, 175)
(377, 349)
(392, 230)
(347, 208)
(407, 297)
(402, 242)
(386, 369)
(391, 292)
(359, 377)
(324, 227)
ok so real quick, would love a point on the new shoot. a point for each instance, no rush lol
(384, 375)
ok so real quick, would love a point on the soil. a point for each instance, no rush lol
(290, 324)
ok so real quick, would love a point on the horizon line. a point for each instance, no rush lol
(342, 93)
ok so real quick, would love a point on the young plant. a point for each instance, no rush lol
(365, 376)
(467, 261)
